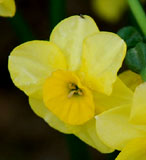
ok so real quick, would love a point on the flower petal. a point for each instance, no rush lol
(114, 128)
(138, 111)
(87, 133)
(103, 54)
(32, 62)
(134, 150)
(131, 79)
(7, 8)
(121, 95)
(40, 109)
(69, 35)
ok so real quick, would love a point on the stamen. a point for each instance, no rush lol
(80, 92)
(72, 86)
(74, 90)
(71, 93)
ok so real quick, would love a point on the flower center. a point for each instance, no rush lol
(67, 98)
(74, 90)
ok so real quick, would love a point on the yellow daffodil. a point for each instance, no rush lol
(72, 77)
(124, 128)
(110, 10)
(7, 8)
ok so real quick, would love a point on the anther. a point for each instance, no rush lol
(72, 86)
(80, 92)
(74, 90)
(71, 94)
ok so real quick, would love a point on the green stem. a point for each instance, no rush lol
(21, 28)
(57, 11)
(138, 13)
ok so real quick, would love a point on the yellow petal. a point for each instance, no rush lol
(121, 95)
(134, 150)
(103, 54)
(72, 108)
(32, 62)
(131, 79)
(114, 128)
(69, 35)
(87, 133)
(7, 8)
(138, 111)
(40, 109)
(109, 10)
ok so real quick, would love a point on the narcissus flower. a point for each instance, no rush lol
(73, 77)
(7, 8)
(124, 128)
(110, 10)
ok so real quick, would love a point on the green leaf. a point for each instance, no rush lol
(143, 74)
(144, 39)
(136, 57)
(130, 35)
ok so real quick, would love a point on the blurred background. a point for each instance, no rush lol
(23, 135)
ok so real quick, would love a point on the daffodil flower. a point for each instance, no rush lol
(7, 8)
(124, 128)
(110, 10)
(73, 77)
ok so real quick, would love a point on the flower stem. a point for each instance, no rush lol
(138, 13)
(57, 11)
(21, 28)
